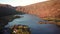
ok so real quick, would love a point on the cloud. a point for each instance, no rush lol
(20, 2)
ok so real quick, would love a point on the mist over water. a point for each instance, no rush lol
(32, 22)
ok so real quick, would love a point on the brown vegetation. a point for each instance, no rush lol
(43, 9)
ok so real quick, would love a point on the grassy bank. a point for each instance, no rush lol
(53, 20)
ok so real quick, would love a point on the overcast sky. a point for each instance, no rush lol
(20, 2)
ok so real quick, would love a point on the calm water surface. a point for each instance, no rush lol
(32, 22)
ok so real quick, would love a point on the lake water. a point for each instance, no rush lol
(32, 22)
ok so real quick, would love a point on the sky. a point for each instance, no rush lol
(20, 2)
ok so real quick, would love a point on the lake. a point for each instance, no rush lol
(32, 22)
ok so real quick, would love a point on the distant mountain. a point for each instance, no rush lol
(6, 5)
(43, 9)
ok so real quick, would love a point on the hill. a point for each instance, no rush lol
(7, 13)
(48, 9)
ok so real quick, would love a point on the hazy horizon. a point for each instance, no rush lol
(20, 2)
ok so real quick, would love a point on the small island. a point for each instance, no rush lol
(17, 16)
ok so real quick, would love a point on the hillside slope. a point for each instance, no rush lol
(43, 9)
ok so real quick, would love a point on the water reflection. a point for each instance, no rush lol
(32, 22)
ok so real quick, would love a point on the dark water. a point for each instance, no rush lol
(32, 22)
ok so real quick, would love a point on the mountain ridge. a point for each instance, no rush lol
(47, 9)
